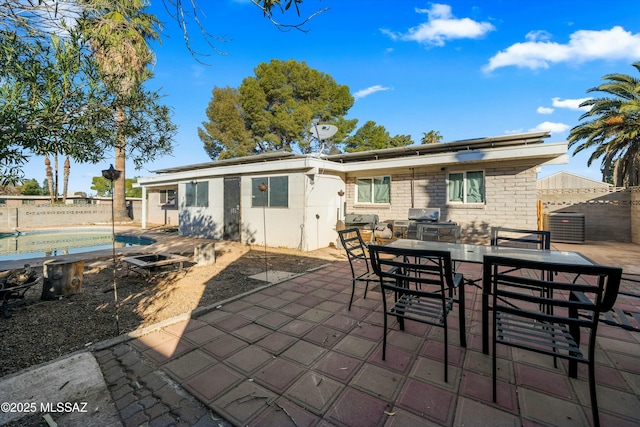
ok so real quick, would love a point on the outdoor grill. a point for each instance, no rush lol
(361, 221)
(421, 216)
(365, 222)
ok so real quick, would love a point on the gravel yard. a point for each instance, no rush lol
(39, 331)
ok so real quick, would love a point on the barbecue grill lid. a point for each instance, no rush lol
(360, 219)
(425, 214)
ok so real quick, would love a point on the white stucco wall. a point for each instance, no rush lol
(202, 221)
(295, 226)
(323, 200)
(282, 224)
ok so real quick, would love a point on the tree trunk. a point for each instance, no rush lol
(61, 278)
(65, 187)
(49, 174)
(55, 183)
(119, 199)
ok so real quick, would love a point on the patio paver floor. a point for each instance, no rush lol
(293, 351)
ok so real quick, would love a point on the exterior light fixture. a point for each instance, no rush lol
(111, 175)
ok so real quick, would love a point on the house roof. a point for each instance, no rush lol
(264, 157)
(442, 147)
(387, 153)
(566, 180)
(528, 148)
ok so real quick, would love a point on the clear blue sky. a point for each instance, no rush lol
(466, 69)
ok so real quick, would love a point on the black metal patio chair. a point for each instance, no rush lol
(625, 313)
(519, 238)
(580, 294)
(423, 285)
(524, 239)
(358, 256)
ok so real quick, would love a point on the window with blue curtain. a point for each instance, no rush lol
(465, 187)
(374, 190)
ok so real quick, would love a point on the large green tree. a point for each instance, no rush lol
(273, 111)
(611, 128)
(371, 136)
(51, 102)
(31, 187)
(226, 135)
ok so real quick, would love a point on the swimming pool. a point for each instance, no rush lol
(36, 244)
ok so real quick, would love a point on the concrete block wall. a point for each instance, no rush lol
(607, 211)
(33, 217)
(510, 194)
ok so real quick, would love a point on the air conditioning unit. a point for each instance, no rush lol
(566, 227)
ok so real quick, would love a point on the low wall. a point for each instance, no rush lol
(32, 217)
(608, 211)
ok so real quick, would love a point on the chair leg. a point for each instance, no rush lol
(384, 336)
(461, 312)
(494, 373)
(353, 291)
(366, 288)
(594, 397)
(446, 353)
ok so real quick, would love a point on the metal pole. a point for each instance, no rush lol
(263, 189)
(113, 245)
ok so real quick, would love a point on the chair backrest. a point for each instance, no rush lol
(354, 245)
(518, 238)
(590, 289)
(439, 232)
(409, 267)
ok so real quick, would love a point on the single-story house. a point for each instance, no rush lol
(299, 201)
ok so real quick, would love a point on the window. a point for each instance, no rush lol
(277, 194)
(465, 187)
(374, 190)
(168, 197)
(197, 194)
(28, 202)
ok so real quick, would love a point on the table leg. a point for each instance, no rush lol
(485, 322)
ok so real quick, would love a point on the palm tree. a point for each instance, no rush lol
(431, 137)
(118, 37)
(612, 128)
(67, 170)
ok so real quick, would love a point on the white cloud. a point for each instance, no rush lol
(584, 45)
(368, 91)
(544, 110)
(571, 104)
(441, 26)
(551, 127)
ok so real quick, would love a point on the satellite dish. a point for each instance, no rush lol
(322, 131)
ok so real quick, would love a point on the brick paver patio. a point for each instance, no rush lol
(292, 354)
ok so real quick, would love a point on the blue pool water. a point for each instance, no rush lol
(36, 244)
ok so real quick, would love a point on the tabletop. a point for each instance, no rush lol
(463, 252)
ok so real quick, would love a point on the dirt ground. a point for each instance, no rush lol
(39, 331)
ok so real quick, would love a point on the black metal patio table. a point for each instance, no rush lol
(463, 252)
